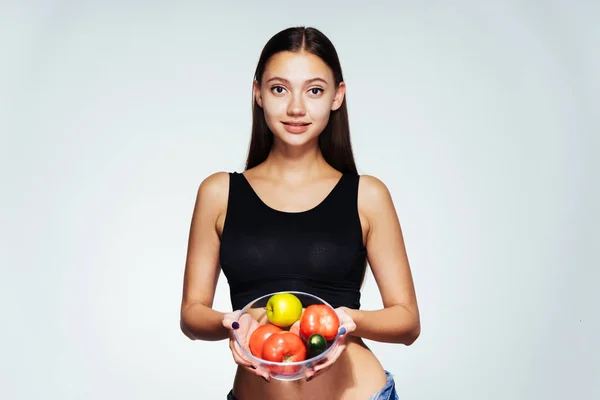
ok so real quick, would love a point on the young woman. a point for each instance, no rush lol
(300, 217)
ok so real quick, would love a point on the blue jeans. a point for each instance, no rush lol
(388, 392)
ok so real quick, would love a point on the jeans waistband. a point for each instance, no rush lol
(388, 392)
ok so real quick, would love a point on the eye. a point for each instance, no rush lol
(277, 89)
(316, 91)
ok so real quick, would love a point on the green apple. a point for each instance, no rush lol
(283, 309)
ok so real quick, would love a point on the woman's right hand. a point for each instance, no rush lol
(243, 330)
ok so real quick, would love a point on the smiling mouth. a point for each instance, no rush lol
(296, 123)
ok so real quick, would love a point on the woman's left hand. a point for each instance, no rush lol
(347, 326)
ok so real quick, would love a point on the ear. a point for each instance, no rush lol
(256, 91)
(339, 96)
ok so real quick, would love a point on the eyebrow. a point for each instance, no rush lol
(277, 78)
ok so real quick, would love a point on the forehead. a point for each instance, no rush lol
(297, 67)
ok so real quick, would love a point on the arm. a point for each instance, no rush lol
(198, 319)
(398, 321)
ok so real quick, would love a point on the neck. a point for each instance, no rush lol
(295, 164)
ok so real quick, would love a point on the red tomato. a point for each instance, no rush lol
(284, 347)
(321, 319)
(259, 336)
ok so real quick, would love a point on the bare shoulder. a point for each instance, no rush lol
(214, 189)
(215, 183)
(375, 205)
(372, 193)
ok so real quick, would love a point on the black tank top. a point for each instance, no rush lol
(319, 251)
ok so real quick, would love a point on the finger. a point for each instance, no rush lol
(262, 372)
(347, 326)
(318, 373)
(253, 325)
(328, 362)
(256, 369)
(240, 353)
(239, 357)
(308, 374)
(314, 372)
(229, 320)
(247, 325)
(240, 361)
(246, 322)
(333, 357)
(350, 326)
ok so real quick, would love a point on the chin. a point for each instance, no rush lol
(296, 139)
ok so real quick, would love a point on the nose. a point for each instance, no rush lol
(296, 106)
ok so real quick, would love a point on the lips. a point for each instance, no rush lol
(296, 127)
(296, 123)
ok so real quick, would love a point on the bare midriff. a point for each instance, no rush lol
(357, 374)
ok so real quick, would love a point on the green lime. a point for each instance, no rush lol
(315, 345)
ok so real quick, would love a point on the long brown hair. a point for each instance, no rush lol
(334, 141)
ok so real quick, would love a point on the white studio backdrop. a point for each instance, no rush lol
(481, 119)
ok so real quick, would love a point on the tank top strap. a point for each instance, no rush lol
(242, 199)
(345, 195)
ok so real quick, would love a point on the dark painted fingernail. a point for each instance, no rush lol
(235, 325)
(309, 378)
(253, 367)
(266, 380)
(343, 330)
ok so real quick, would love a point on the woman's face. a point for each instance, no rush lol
(297, 94)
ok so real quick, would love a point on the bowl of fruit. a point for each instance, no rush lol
(290, 332)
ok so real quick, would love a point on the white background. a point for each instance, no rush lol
(482, 119)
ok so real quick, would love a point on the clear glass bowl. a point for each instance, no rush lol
(285, 371)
